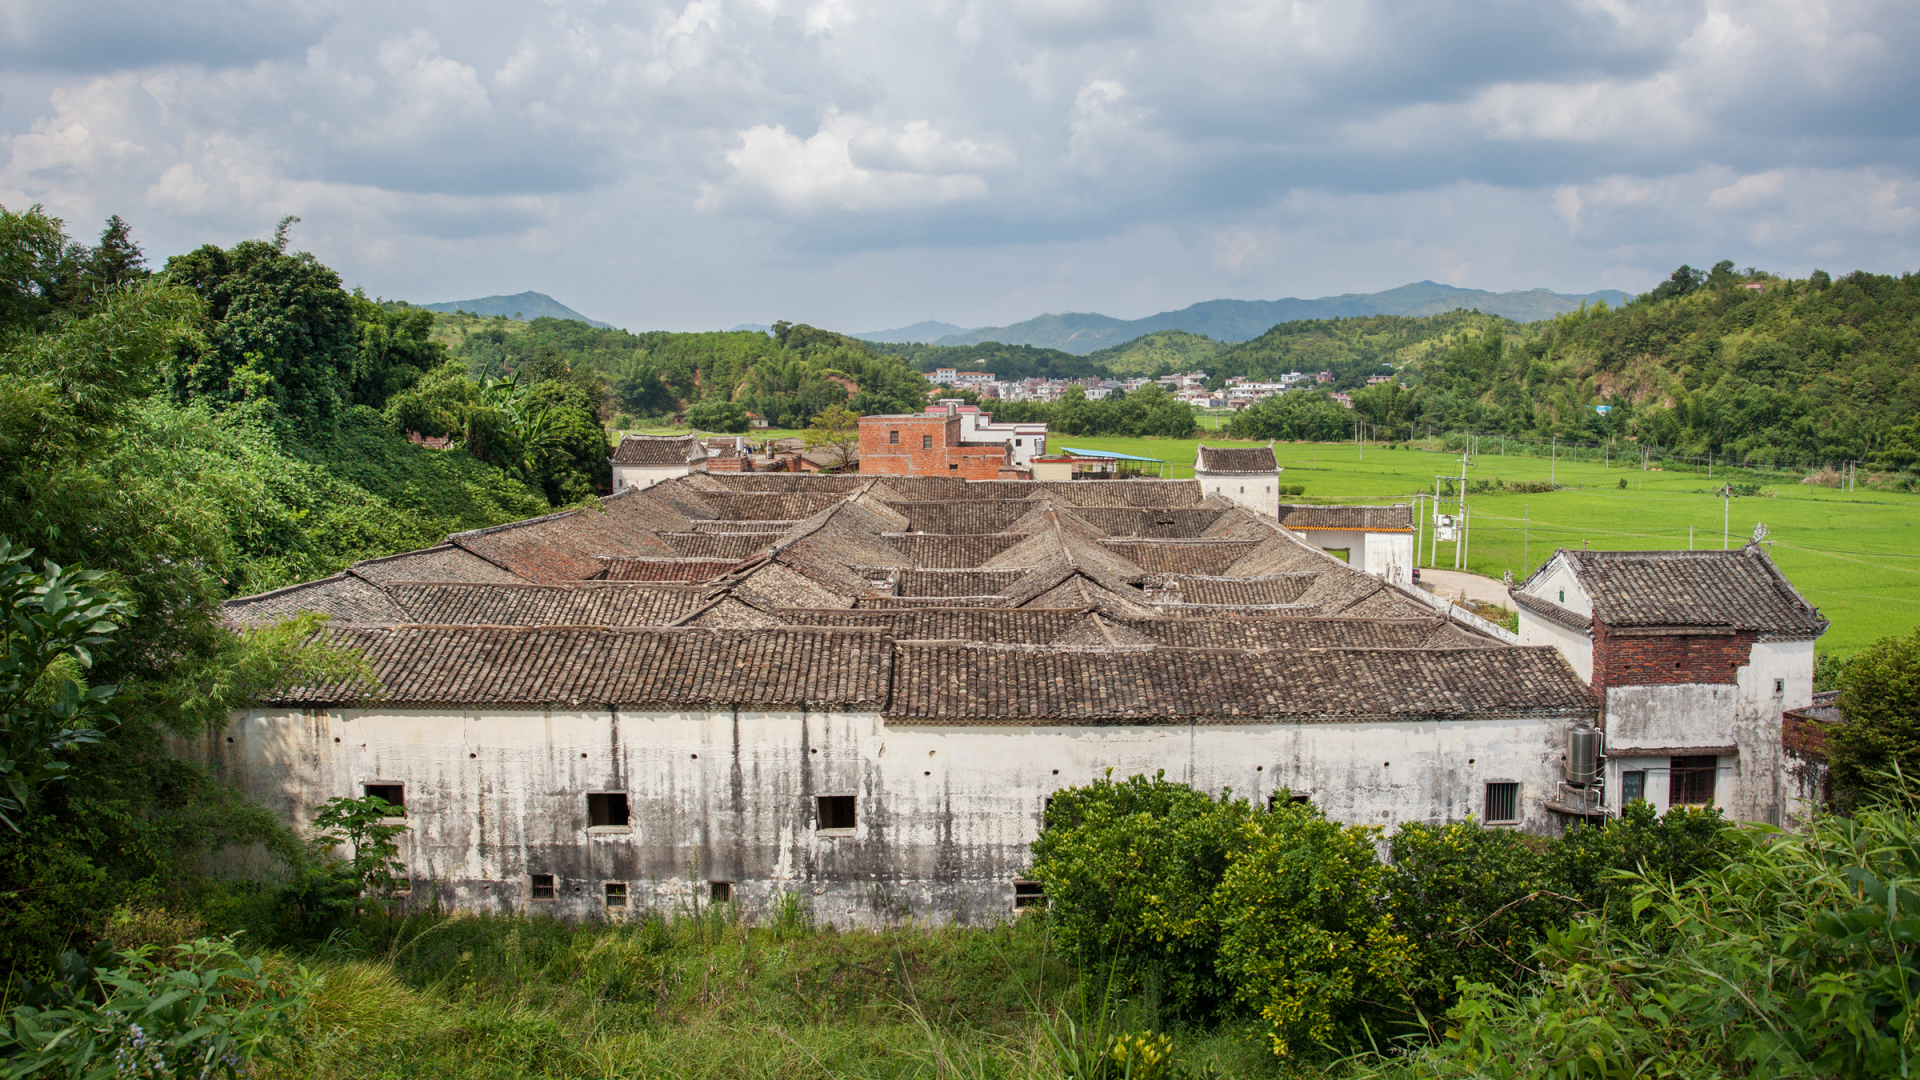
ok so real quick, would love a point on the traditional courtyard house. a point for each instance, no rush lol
(641, 461)
(860, 691)
(1376, 539)
(1249, 477)
(1694, 656)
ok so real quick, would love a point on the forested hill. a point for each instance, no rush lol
(711, 379)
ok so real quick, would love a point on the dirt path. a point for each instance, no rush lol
(1464, 586)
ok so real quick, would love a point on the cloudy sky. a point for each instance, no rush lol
(864, 164)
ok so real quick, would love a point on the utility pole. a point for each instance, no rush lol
(1726, 517)
(1460, 547)
(1526, 537)
(1553, 462)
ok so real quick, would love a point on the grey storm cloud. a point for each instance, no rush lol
(1117, 154)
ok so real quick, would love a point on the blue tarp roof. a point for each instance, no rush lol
(1109, 454)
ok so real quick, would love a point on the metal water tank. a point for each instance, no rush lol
(1583, 755)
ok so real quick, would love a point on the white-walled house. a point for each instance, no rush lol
(1250, 476)
(1027, 440)
(641, 461)
(1695, 656)
(1376, 539)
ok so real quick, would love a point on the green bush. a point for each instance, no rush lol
(1880, 695)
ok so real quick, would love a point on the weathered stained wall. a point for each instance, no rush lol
(945, 812)
(645, 476)
(1574, 645)
(927, 446)
(1385, 555)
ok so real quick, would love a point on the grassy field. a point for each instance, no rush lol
(1854, 555)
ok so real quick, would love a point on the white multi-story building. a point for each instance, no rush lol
(1027, 440)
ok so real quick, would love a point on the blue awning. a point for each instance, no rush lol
(1110, 454)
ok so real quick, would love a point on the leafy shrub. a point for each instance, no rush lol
(196, 1010)
(1880, 696)
(1304, 939)
(1130, 870)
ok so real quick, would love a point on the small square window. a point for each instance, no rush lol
(1779, 686)
(1028, 894)
(395, 795)
(1503, 803)
(616, 894)
(1293, 799)
(893, 438)
(926, 442)
(543, 886)
(1633, 786)
(833, 812)
(954, 466)
(607, 809)
(720, 892)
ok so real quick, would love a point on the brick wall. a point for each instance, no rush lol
(1804, 736)
(1621, 660)
(927, 446)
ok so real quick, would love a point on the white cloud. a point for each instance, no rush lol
(1236, 146)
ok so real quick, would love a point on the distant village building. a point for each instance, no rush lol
(1027, 440)
(1073, 467)
(1248, 477)
(931, 444)
(1376, 539)
(1694, 656)
(641, 461)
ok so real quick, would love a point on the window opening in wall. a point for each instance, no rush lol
(955, 466)
(1028, 894)
(893, 438)
(616, 894)
(395, 795)
(833, 812)
(720, 892)
(607, 809)
(1690, 780)
(543, 886)
(1503, 803)
(1243, 489)
(926, 442)
(1274, 803)
(1563, 596)
(1633, 785)
(1779, 686)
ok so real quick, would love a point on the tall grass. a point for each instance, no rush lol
(697, 996)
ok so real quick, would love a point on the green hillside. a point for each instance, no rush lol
(786, 377)
(1160, 353)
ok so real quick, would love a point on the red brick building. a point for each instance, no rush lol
(907, 444)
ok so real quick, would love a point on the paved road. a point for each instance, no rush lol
(1466, 586)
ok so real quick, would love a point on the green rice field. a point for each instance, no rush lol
(1855, 555)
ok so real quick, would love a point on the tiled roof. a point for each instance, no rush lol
(960, 517)
(344, 598)
(814, 483)
(1225, 459)
(1396, 518)
(1739, 589)
(1181, 556)
(1171, 521)
(574, 666)
(764, 505)
(442, 562)
(733, 546)
(1025, 626)
(933, 550)
(959, 582)
(656, 450)
(1277, 589)
(631, 568)
(587, 604)
(1233, 632)
(1155, 493)
(1025, 684)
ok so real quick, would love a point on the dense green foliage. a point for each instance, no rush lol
(183, 458)
(1293, 415)
(786, 378)
(1148, 411)
(1010, 362)
(1880, 697)
(1798, 957)
(1352, 349)
(1223, 911)
(1163, 352)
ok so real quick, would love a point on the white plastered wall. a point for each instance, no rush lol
(1259, 492)
(945, 814)
(1575, 645)
(645, 476)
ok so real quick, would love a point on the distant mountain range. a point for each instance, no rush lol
(527, 305)
(1243, 320)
